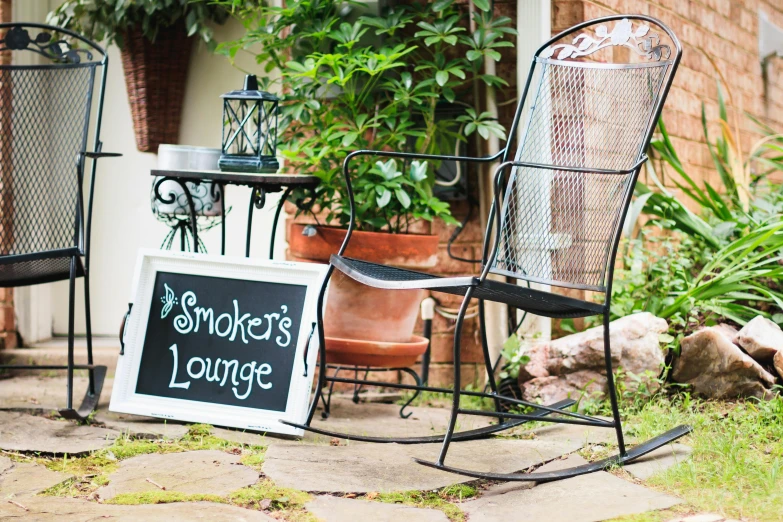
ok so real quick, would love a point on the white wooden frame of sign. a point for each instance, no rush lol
(124, 399)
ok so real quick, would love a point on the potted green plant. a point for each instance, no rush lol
(352, 79)
(155, 39)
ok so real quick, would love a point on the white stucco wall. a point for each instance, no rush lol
(122, 220)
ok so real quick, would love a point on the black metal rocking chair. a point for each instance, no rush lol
(557, 213)
(44, 123)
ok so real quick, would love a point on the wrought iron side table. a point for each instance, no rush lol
(260, 184)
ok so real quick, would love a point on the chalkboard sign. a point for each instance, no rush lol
(219, 340)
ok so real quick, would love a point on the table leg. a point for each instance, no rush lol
(257, 201)
(279, 208)
(222, 219)
(172, 197)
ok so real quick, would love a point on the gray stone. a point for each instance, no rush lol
(247, 438)
(23, 432)
(137, 427)
(334, 509)
(718, 369)
(777, 361)
(40, 393)
(20, 479)
(586, 498)
(362, 468)
(568, 366)
(373, 419)
(210, 471)
(761, 338)
(658, 461)
(55, 509)
(583, 435)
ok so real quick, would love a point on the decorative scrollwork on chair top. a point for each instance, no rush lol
(18, 39)
(641, 41)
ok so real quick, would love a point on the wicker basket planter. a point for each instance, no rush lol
(155, 75)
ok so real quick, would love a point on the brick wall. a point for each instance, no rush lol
(7, 319)
(727, 31)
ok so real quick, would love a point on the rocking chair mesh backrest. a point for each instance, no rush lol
(44, 122)
(48, 117)
(559, 227)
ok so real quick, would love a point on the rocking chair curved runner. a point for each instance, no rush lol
(46, 97)
(559, 205)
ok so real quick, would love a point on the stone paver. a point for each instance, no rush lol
(586, 498)
(210, 471)
(54, 509)
(334, 509)
(247, 438)
(375, 419)
(361, 468)
(138, 427)
(19, 479)
(658, 461)
(35, 392)
(23, 432)
(569, 432)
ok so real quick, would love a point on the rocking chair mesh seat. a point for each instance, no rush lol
(593, 98)
(37, 271)
(534, 301)
(46, 99)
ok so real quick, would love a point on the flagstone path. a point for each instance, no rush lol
(327, 469)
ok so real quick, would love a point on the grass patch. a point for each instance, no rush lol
(736, 469)
(442, 500)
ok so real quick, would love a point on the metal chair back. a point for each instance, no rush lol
(592, 100)
(47, 78)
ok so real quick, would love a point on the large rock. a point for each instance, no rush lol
(761, 338)
(716, 368)
(778, 362)
(567, 366)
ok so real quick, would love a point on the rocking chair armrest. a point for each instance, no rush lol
(392, 154)
(585, 170)
(495, 218)
(98, 155)
(416, 155)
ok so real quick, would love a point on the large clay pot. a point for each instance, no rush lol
(382, 319)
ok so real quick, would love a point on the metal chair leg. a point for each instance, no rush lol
(88, 328)
(321, 348)
(488, 359)
(457, 377)
(612, 389)
(71, 305)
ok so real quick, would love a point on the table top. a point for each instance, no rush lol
(241, 178)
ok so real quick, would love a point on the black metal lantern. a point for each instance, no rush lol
(249, 129)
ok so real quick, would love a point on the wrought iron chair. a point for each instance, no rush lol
(595, 97)
(45, 106)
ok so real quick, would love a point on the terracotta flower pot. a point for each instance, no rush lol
(382, 321)
(362, 353)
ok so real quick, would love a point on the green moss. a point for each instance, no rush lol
(162, 497)
(288, 502)
(441, 500)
